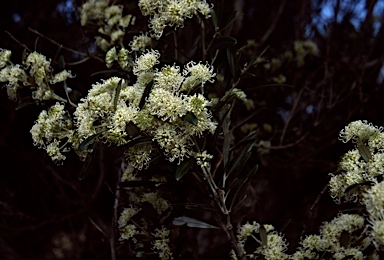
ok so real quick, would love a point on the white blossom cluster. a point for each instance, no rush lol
(35, 73)
(110, 21)
(165, 13)
(112, 105)
(360, 177)
(273, 248)
(329, 240)
(53, 131)
(355, 167)
(161, 243)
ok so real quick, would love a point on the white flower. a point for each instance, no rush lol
(5, 57)
(140, 42)
(160, 245)
(146, 61)
(61, 76)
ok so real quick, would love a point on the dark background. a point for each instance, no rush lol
(46, 212)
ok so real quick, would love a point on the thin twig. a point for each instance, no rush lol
(114, 216)
(274, 23)
(16, 40)
(56, 43)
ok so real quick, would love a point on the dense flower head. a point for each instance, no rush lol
(196, 74)
(374, 201)
(171, 12)
(50, 128)
(110, 20)
(377, 233)
(140, 42)
(161, 243)
(358, 131)
(354, 169)
(146, 62)
(5, 57)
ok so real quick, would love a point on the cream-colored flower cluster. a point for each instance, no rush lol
(360, 176)
(329, 242)
(53, 131)
(111, 106)
(161, 243)
(362, 164)
(110, 20)
(171, 12)
(273, 248)
(35, 74)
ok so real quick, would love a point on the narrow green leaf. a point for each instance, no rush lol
(254, 59)
(225, 42)
(191, 222)
(249, 138)
(345, 239)
(132, 129)
(356, 186)
(245, 119)
(227, 137)
(263, 235)
(139, 140)
(249, 177)
(22, 105)
(24, 55)
(200, 207)
(88, 141)
(88, 162)
(117, 94)
(231, 62)
(214, 18)
(61, 62)
(233, 183)
(219, 126)
(105, 71)
(146, 92)
(183, 168)
(191, 118)
(364, 151)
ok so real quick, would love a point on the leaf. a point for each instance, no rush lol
(227, 137)
(191, 222)
(364, 151)
(117, 94)
(243, 120)
(89, 140)
(105, 71)
(263, 235)
(200, 207)
(24, 55)
(238, 161)
(61, 62)
(356, 186)
(132, 129)
(254, 59)
(191, 118)
(139, 140)
(231, 62)
(225, 42)
(249, 177)
(146, 92)
(88, 162)
(219, 125)
(183, 168)
(22, 105)
(345, 238)
(214, 18)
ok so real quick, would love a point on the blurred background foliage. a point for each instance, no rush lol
(304, 97)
